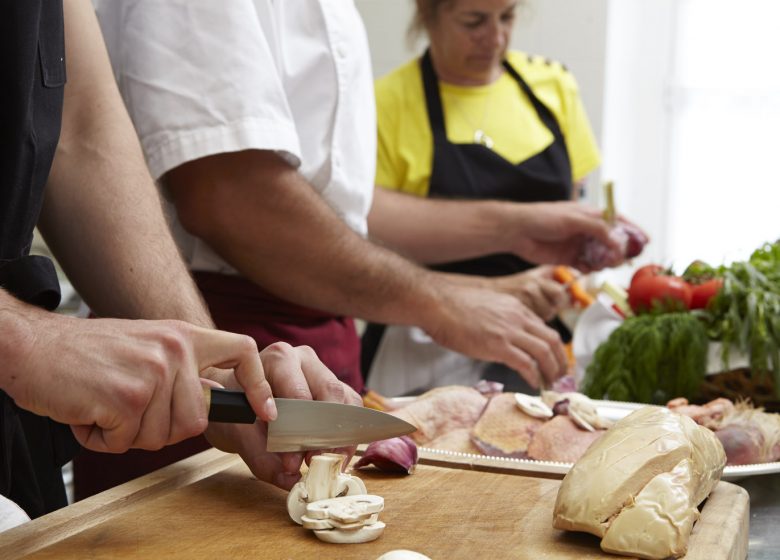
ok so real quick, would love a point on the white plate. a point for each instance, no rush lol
(609, 409)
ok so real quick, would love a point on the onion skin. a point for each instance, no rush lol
(396, 455)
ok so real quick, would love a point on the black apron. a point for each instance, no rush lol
(473, 171)
(32, 69)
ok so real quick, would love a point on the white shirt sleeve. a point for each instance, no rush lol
(199, 78)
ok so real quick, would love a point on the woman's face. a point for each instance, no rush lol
(469, 39)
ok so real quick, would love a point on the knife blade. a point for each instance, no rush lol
(304, 425)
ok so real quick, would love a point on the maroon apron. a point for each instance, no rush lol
(236, 305)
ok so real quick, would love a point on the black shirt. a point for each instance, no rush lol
(32, 71)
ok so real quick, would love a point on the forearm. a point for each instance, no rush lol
(260, 215)
(433, 231)
(102, 215)
(16, 326)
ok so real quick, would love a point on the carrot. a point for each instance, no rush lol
(564, 275)
(374, 400)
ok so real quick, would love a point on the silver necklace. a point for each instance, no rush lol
(480, 136)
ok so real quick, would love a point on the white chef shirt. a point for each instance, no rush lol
(202, 77)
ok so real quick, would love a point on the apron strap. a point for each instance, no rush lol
(32, 279)
(432, 97)
(544, 113)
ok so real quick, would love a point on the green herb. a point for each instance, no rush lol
(746, 313)
(650, 358)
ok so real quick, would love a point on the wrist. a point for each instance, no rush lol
(18, 322)
(508, 221)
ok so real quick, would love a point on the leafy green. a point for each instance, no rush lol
(650, 358)
(658, 356)
(746, 313)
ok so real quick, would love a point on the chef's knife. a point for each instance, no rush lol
(303, 425)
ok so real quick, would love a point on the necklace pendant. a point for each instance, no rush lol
(483, 139)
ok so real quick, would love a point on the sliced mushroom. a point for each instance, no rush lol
(532, 406)
(346, 509)
(315, 524)
(364, 534)
(324, 480)
(580, 421)
(582, 410)
(370, 520)
(402, 554)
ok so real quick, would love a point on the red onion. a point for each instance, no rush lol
(632, 240)
(489, 388)
(397, 455)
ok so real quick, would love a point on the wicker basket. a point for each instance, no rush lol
(740, 384)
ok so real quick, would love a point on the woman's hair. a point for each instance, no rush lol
(424, 13)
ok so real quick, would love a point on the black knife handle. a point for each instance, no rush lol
(229, 406)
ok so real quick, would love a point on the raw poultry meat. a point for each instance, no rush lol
(561, 440)
(456, 440)
(709, 415)
(503, 429)
(749, 435)
(441, 411)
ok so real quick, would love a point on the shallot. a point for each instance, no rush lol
(596, 255)
(398, 454)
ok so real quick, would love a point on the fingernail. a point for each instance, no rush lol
(270, 408)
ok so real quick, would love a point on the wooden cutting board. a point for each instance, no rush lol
(209, 506)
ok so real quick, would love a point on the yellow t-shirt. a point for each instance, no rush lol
(500, 109)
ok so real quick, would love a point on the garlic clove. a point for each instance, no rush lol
(364, 534)
(532, 406)
(346, 509)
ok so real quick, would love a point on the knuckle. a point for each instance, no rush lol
(336, 390)
(277, 349)
(135, 397)
(247, 344)
(307, 351)
(174, 344)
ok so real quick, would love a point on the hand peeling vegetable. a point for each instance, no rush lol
(397, 455)
(596, 255)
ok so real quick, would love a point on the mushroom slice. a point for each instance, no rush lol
(364, 534)
(580, 421)
(532, 406)
(346, 509)
(403, 554)
(323, 480)
(315, 524)
(370, 520)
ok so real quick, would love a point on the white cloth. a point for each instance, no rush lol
(408, 360)
(202, 77)
(11, 515)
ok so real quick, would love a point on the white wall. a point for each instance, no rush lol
(572, 32)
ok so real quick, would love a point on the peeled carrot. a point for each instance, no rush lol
(374, 400)
(564, 275)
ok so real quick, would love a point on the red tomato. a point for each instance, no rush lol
(704, 292)
(647, 270)
(668, 292)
